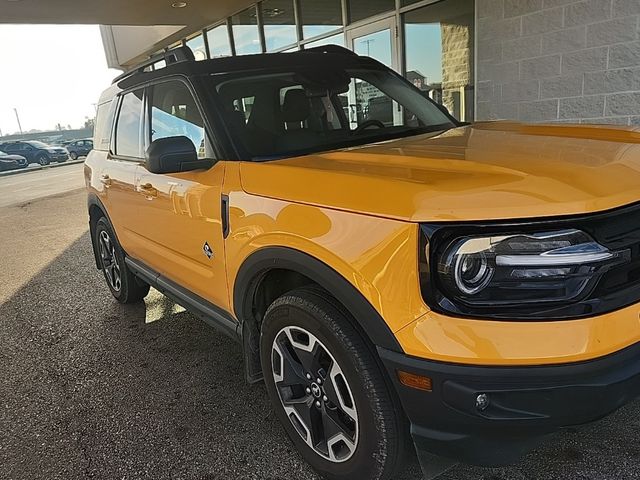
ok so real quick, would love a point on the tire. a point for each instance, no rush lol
(43, 159)
(73, 155)
(367, 431)
(124, 286)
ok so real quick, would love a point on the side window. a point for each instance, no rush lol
(104, 122)
(367, 102)
(174, 113)
(128, 127)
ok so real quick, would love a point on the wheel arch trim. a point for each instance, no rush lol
(256, 265)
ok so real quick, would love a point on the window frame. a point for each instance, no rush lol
(209, 136)
(113, 150)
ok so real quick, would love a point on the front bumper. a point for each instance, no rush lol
(525, 403)
(58, 156)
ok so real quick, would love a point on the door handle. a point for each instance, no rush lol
(105, 180)
(149, 190)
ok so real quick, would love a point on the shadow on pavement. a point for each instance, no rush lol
(90, 390)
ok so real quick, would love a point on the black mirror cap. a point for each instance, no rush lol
(172, 155)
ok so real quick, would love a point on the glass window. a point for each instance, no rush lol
(439, 54)
(218, 38)
(333, 40)
(360, 9)
(104, 122)
(196, 44)
(346, 105)
(128, 129)
(279, 24)
(319, 17)
(245, 32)
(375, 45)
(174, 113)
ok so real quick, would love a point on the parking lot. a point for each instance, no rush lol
(93, 389)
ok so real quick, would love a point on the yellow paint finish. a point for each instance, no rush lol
(483, 342)
(377, 256)
(489, 171)
(178, 214)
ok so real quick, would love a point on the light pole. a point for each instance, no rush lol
(18, 118)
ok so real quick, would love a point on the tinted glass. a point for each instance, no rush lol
(245, 32)
(279, 24)
(102, 129)
(174, 113)
(439, 54)
(279, 114)
(218, 38)
(128, 127)
(320, 17)
(196, 44)
(375, 45)
(360, 9)
(333, 40)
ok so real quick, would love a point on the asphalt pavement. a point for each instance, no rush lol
(28, 185)
(93, 389)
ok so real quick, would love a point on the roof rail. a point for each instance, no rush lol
(331, 48)
(176, 55)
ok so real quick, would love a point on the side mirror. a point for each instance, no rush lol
(173, 155)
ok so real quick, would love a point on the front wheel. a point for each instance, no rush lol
(124, 286)
(73, 155)
(43, 160)
(328, 390)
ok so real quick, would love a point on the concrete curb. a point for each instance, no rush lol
(39, 167)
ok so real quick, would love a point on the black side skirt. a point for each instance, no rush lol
(205, 310)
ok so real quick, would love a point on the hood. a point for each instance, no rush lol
(486, 171)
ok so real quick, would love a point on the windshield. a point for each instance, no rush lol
(38, 144)
(274, 115)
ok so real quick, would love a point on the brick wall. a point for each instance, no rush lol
(559, 60)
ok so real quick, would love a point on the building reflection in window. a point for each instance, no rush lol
(320, 17)
(196, 44)
(245, 32)
(218, 38)
(439, 54)
(279, 24)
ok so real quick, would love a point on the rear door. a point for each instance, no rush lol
(118, 171)
(180, 215)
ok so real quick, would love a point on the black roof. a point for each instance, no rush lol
(319, 58)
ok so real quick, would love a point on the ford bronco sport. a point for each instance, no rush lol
(396, 278)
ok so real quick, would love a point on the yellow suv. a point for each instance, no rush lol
(396, 278)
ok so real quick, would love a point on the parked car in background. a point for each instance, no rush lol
(79, 148)
(36, 152)
(12, 162)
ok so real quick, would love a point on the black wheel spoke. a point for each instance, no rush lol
(315, 394)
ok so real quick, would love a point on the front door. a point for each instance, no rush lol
(180, 216)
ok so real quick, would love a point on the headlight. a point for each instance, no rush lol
(515, 275)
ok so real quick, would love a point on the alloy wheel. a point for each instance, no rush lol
(110, 261)
(315, 394)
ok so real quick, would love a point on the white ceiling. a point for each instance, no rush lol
(197, 13)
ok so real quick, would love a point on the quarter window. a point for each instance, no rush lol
(128, 129)
(174, 113)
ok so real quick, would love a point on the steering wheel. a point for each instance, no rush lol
(368, 123)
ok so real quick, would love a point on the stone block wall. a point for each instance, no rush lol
(558, 60)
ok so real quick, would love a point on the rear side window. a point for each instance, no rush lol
(104, 122)
(174, 113)
(128, 138)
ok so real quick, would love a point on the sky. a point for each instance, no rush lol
(52, 74)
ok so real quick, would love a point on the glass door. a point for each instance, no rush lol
(376, 40)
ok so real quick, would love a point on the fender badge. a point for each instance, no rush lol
(207, 250)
